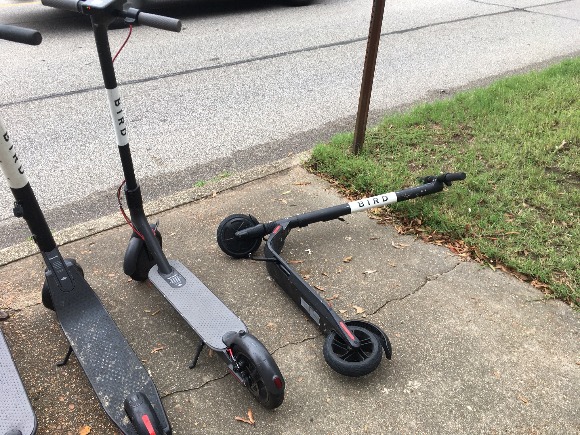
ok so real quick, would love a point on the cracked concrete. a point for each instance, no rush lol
(473, 350)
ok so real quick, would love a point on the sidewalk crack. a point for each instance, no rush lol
(427, 279)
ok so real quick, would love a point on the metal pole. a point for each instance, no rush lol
(368, 75)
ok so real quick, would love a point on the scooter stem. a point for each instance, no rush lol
(118, 117)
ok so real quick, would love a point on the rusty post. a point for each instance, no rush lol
(368, 75)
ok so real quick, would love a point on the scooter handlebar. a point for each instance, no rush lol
(20, 34)
(159, 22)
(454, 176)
(67, 5)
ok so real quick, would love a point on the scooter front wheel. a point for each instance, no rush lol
(45, 293)
(232, 245)
(138, 260)
(349, 361)
(254, 379)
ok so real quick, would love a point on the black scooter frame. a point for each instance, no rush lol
(240, 235)
(121, 383)
(218, 327)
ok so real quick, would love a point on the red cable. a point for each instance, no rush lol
(124, 43)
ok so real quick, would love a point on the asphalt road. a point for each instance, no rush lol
(240, 85)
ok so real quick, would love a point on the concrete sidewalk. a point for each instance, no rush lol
(474, 351)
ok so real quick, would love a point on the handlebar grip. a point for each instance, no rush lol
(20, 34)
(455, 176)
(67, 5)
(159, 22)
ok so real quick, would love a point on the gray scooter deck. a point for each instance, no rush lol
(110, 364)
(16, 414)
(205, 313)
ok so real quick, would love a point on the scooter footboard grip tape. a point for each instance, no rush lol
(20, 34)
(159, 22)
(67, 5)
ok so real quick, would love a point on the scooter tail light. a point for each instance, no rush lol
(278, 382)
(148, 424)
(276, 229)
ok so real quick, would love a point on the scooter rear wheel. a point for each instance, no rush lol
(232, 245)
(349, 361)
(45, 293)
(255, 380)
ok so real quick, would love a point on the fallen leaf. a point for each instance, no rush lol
(523, 399)
(333, 297)
(249, 420)
(322, 289)
(85, 430)
(305, 183)
(324, 273)
(347, 259)
(157, 349)
(295, 261)
(359, 310)
(71, 406)
(287, 192)
(368, 272)
(399, 245)
(156, 312)
(342, 311)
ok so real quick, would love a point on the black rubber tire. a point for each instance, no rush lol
(348, 362)
(45, 292)
(145, 261)
(268, 399)
(229, 243)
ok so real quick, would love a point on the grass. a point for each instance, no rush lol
(518, 140)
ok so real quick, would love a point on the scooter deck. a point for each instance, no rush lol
(205, 313)
(108, 361)
(16, 414)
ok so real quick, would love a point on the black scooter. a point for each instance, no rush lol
(352, 347)
(121, 382)
(218, 327)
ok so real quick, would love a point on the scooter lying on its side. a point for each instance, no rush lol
(351, 347)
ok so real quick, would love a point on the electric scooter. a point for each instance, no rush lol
(121, 382)
(351, 347)
(218, 327)
(16, 414)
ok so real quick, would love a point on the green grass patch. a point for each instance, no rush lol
(518, 140)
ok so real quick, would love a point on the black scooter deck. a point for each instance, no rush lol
(111, 366)
(205, 313)
(16, 414)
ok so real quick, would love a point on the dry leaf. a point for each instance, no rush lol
(368, 272)
(359, 310)
(331, 298)
(523, 399)
(347, 259)
(399, 245)
(85, 430)
(322, 289)
(249, 420)
(287, 192)
(295, 261)
(156, 312)
(157, 349)
(71, 406)
(324, 273)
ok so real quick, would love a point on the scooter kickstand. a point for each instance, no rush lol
(198, 350)
(66, 358)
